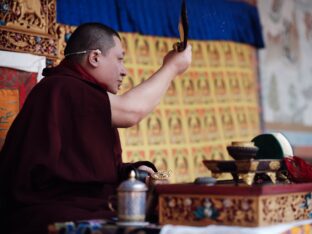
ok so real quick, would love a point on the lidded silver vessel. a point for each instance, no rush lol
(131, 200)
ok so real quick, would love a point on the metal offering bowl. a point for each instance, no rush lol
(242, 152)
(243, 143)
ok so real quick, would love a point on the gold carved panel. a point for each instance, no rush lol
(30, 26)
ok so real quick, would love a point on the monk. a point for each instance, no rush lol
(62, 156)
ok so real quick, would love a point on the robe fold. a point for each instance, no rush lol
(62, 158)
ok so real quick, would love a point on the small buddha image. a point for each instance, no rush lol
(198, 55)
(203, 88)
(188, 89)
(142, 50)
(154, 125)
(159, 160)
(213, 54)
(211, 130)
(194, 125)
(175, 128)
(227, 123)
(219, 81)
(124, 41)
(172, 90)
(181, 167)
(242, 121)
(240, 55)
(175, 125)
(162, 48)
(200, 168)
(217, 153)
(210, 122)
(247, 84)
(154, 130)
(228, 54)
(171, 96)
(188, 86)
(219, 85)
(234, 86)
(134, 135)
(226, 119)
(241, 117)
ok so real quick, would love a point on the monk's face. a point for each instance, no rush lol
(111, 69)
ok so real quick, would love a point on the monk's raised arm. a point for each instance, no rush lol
(131, 107)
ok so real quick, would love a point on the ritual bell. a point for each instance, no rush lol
(132, 200)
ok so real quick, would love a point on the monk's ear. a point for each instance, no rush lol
(93, 57)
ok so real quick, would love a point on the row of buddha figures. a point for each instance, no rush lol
(201, 87)
(167, 126)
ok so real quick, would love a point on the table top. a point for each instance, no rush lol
(232, 189)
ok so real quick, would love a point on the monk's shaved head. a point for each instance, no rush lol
(90, 36)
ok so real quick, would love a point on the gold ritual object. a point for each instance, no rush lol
(245, 169)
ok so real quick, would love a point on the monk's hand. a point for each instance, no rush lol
(149, 170)
(160, 177)
(178, 61)
(153, 182)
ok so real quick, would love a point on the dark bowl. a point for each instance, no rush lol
(242, 152)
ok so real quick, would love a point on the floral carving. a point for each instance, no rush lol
(202, 210)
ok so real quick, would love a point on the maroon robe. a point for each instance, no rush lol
(62, 158)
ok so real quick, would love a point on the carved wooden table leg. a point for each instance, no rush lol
(248, 177)
(272, 176)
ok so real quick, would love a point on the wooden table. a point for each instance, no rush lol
(234, 205)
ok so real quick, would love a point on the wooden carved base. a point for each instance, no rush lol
(239, 208)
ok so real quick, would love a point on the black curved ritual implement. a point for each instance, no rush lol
(183, 29)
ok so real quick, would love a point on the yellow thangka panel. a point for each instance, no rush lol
(213, 103)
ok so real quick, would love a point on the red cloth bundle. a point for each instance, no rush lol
(299, 169)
